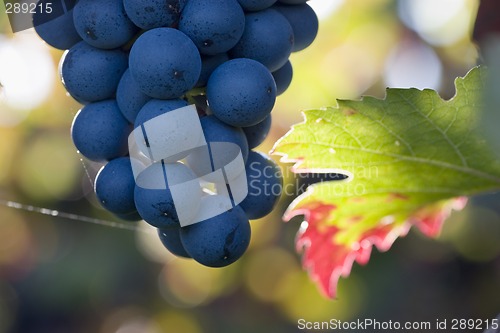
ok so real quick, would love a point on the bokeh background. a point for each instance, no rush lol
(68, 275)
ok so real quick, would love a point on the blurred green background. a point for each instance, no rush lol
(62, 275)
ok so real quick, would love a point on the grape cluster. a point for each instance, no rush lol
(129, 61)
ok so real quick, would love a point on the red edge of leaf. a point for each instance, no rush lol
(326, 260)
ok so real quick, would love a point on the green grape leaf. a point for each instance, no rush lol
(411, 159)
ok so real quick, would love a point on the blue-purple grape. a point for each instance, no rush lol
(165, 63)
(100, 132)
(241, 92)
(218, 241)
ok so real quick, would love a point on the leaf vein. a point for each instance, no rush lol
(421, 160)
(436, 127)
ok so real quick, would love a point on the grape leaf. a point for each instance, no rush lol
(411, 159)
